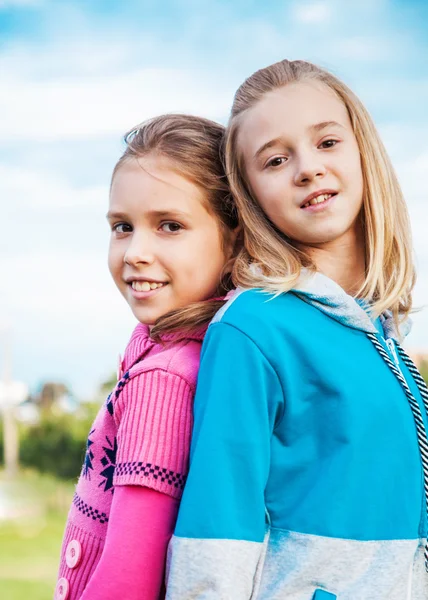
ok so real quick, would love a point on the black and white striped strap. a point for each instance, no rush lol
(423, 389)
(416, 411)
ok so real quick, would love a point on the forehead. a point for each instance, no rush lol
(289, 112)
(152, 180)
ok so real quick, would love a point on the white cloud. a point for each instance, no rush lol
(83, 56)
(421, 163)
(413, 181)
(81, 108)
(365, 48)
(411, 170)
(313, 12)
(408, 148)
(68, 320)
(41, 191)
(405, 141)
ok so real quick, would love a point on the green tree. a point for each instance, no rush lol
(423, 369)
(57, 444)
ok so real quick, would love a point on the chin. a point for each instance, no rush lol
(325, 237)
(149, 320)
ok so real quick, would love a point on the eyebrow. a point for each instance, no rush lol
(266, 146)
(173, 212)
(324, 124)
(168, 212)
(115, 215)
(317, 127)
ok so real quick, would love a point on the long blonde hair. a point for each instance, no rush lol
(390, 274)
(193, 145)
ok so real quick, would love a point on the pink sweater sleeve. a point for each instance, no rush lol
(132, 564)
(154, 416)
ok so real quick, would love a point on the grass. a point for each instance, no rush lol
(30, 540)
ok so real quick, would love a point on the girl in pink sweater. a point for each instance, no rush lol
(173, 234)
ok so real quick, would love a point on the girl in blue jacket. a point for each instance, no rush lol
(309, 462)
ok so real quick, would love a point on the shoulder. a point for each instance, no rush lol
(252, 303)
(172, 362)
(278, 326)
(254, 312)
(182, 359)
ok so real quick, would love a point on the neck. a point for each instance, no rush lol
(342, 260)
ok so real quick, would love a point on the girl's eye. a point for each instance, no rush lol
(171, 227)
(276, 162)
(121, 228)
(328, 143)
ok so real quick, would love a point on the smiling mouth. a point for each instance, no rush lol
(146, 286)
(318, 200)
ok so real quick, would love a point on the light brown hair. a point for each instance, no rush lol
(390, 274)
(193, 146)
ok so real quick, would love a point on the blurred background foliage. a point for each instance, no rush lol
(423, 369)
(35, 501)
(56, 444)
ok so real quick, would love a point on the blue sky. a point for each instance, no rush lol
(74, 76)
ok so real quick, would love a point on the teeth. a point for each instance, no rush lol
(317, 200)
(145, 286)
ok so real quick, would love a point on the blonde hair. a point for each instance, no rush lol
(193, 146)
(390, 274)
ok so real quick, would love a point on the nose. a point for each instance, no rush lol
(309, 167)
(139, 251)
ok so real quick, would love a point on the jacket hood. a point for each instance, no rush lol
(326, 295)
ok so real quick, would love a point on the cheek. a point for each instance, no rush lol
(210, 258)
(272, 193)
(357, 184)
(275, 204)
(261, 189)
(360, 178)
(114, 259)
(356, 173)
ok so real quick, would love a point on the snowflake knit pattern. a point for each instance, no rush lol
(141, 436)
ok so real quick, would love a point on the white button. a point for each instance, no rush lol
(62, 589)
(73, 554)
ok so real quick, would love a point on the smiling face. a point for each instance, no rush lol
(302, 163)
(166, 249)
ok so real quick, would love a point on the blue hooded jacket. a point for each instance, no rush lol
(306, 477)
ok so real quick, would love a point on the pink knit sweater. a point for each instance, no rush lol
(141, 436)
